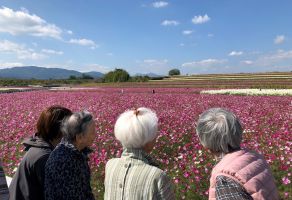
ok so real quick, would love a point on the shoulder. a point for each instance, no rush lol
(155, 173)
(113, 164)
(226, 186)
(35, 153)
(34, 157)
(60, 158)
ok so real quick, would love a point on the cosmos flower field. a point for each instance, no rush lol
(267, 121)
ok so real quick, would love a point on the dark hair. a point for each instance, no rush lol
(49, 122)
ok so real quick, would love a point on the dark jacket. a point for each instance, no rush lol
(67, 174)
(4, 194)
(28, 181)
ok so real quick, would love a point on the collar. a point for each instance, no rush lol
(84, 152)
(139, 154)
(36, 141)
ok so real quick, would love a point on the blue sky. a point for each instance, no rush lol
(195, 36)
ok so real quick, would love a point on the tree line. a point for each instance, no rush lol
(117, 75)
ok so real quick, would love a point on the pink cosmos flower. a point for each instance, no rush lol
(286, 180)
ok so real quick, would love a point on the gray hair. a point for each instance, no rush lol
(219, 130)
(76, 124)
(135, 128)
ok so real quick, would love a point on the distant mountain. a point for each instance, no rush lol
(151, 75)
(33, 72)
(94, 74)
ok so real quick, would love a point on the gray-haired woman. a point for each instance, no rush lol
(240, 173)
(135, 175)
(67, 174)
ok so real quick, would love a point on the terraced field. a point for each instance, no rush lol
(259, 80)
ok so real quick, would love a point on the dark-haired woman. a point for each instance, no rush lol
(28, 181)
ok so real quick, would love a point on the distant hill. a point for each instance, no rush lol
(33, 72)
(151, 75)
(94, 74)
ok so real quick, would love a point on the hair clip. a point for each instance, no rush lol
(136, 112)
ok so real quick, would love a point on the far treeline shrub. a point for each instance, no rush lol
(174, 72)
(121, 75)
(140, 78)
(118, 75)
(84, 77)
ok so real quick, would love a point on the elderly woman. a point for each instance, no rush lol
(240, 173)
(67, 174)
(28, 181)
(135, 175)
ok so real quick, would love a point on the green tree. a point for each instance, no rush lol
(118, 75)
(140, 78)
(72, 77)
(174, 72)
(86, 76)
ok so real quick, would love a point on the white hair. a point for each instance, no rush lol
(219, 130)
(135, 128)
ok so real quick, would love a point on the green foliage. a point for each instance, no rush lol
(140, 78)
(72, 77)
(174, 72)
(85, 76)
(28, 82)
(118, 75)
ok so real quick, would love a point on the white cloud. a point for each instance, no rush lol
(155, 61)
(280, 55)
(158, 66)
(279, 39)
(21, 22)
(210, 35)
(84, 42)
(160, 4)
(187, 32)
(201, 19)
(247, 62)
(235, 53)
(169, 23)
(109, 54)
(181, 44)
(50, 51)
(204, 63)
(96, 67)
(10, 64)
(208, 66)
(273, 61)
(20, 51)
(69, 32)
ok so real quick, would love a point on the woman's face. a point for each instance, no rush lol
(91, 134)
(87, 139)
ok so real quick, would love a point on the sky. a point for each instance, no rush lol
(194, 36)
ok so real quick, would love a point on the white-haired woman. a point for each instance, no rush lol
(135, 175)
(239, 173)
(67, 174)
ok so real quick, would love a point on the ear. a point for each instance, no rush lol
(79, 138)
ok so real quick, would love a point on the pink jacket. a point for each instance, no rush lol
(250, 170)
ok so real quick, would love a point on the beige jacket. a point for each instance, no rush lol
(135, 176)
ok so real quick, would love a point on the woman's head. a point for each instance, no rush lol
(219, 130)
(49, 123)
(79, 128)
(136, 128)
